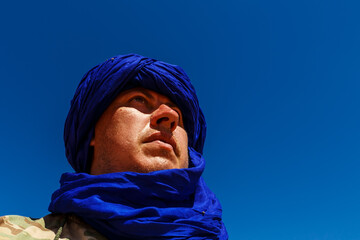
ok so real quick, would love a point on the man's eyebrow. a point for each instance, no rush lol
(150, 96)
(146, 93)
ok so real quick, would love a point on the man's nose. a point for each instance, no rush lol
(164, 118)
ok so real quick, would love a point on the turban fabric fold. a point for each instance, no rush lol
(165, 204)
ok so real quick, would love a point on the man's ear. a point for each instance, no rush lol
(92, 142)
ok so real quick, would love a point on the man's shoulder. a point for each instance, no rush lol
(20, 227)
(52, 226)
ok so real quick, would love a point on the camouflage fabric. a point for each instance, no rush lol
(52, 226)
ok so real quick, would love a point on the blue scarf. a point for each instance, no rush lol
(166, 204)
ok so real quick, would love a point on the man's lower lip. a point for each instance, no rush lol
(161, 143)
(164, 145)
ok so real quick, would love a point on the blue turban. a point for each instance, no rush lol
(101, 85)
(165, 204)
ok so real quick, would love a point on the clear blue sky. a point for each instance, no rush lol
(278, 82)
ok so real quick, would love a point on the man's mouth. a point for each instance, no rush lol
(158, 136)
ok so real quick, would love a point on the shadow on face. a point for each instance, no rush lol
(141, 131)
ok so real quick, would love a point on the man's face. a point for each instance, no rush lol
(141, 131)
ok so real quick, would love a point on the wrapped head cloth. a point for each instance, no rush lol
(101, 85)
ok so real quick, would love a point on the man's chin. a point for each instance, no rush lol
(156, 163)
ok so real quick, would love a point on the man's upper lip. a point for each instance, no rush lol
(162, 137)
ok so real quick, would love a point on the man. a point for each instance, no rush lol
(134, 135)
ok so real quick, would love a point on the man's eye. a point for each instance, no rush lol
(138, 99)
